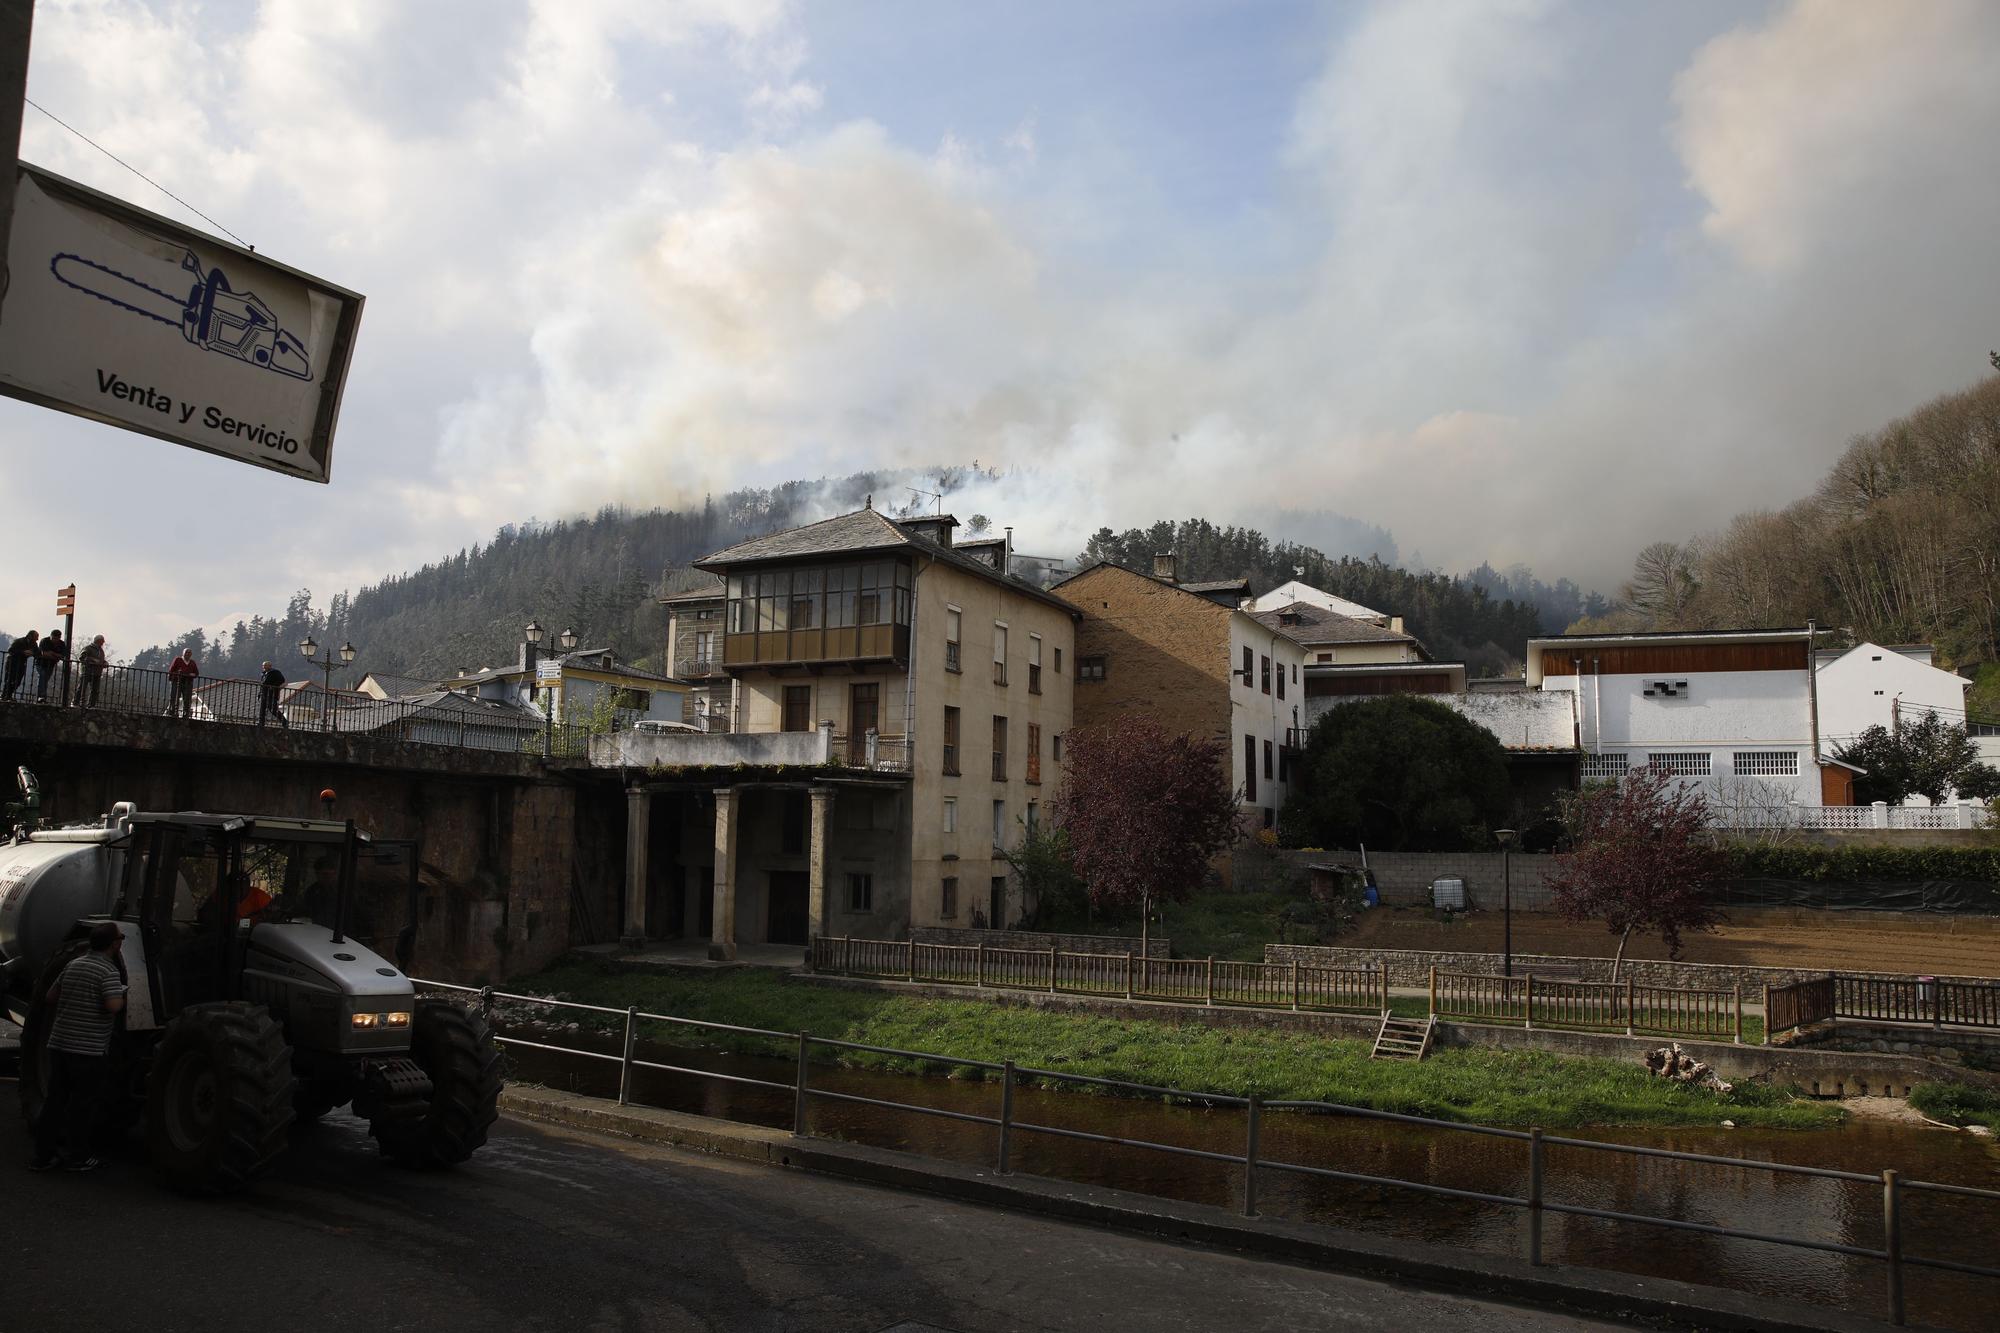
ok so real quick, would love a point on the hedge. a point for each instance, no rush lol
(1822, 864)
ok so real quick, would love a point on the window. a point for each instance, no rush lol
(951, 742)
(999, 748)
(1055, 747)
(1267, 761)
(1249, 768)
(998, 901)
(704, 647)
(1599, 767)
(999, 653)
(836, 596)
(1034, 817)
(1295, 673)
(952, 624)
(1682, 763)
(1281, 680)
(860, 892)
(1034, 753)
(951, 814)
(999, 824)
(1034, 664)
(1090, 668)
(1284, 763)
(948, 897)
(1767, 764)
(805, 610)
(1266, 664)
(798, 707)
(1058, 661)
(1982, 728)
(1249, 666)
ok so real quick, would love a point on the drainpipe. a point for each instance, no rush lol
(1812, 696)
(1576, 704)
(1596, 705)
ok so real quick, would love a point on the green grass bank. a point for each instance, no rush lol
(1483, 1086)
(1958, 1104)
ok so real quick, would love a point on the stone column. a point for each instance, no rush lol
(722, 944)
(638, 843)
(822, 830)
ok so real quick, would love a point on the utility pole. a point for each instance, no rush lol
(17, 22)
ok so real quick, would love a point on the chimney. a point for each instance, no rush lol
(1007, 552)
(1163, 566)
(1395, 624)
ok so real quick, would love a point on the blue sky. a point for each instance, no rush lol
(1519, 280)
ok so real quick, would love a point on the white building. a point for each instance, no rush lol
(1869, 685)
(1736, 710)
(1295, 591)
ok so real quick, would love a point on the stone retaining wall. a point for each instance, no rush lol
(1952, 1045)
(1156, 947)
(1412, 967)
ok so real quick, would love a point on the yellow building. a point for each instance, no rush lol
(898, 721)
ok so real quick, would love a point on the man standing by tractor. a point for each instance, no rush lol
(88, 995)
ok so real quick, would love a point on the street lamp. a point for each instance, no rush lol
(1506, 837)
(326, 665)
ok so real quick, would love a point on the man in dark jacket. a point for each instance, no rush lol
(55, 651)
(267, 696)
(18, 652)
(94, 663)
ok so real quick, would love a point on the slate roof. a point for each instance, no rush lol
(1217, 585)
(690, 585)
(1318, 625)
(399, 686)
(860, 533)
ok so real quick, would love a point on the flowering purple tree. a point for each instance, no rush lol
(1144, 811)
(1641, 860)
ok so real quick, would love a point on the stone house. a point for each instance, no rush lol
(1191, 656)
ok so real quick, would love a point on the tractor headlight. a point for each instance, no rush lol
(363, 1020)
(397, 1020)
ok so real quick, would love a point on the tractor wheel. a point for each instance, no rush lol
(456, 1048)
(218, 1097)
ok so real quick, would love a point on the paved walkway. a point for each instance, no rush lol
(554, 1230)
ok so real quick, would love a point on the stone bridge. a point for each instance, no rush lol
(520, 859)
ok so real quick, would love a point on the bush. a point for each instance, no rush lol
(1818, 864)
(1957, 1103)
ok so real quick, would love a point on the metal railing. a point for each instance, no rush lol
(144, 692)
(1940, 1003)
(1535, 1204)
(1207, 981)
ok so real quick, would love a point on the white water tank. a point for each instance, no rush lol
(1449, 893)
(46, 885)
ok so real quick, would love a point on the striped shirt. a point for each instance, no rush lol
(82, 1026)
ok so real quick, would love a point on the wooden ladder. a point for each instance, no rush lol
(1402, 1038)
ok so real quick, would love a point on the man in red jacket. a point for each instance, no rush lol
(180, 680)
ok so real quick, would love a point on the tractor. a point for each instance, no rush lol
(259, 995)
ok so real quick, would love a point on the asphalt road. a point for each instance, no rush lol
(555, 1230)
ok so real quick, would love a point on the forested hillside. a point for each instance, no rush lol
(1455, 617)
(1899, 544)
(599, 575)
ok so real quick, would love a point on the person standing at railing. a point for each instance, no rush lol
(94, 661)
(180, 680)
(18, 653)
(267, 696)
(55, 651)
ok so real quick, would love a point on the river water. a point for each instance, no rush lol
(1934, 1225)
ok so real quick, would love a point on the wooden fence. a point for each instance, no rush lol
(1940, 1004)
(1205, 981)
(1603, 1005)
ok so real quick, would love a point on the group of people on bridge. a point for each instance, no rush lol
(48, 655)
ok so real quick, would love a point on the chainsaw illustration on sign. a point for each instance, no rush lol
(213, 315)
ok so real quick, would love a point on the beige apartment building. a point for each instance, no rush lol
(898, 712)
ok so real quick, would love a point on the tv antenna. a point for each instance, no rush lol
(929, 495)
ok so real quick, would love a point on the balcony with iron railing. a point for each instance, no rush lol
(821, 747)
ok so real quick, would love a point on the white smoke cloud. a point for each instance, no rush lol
(1538, 282)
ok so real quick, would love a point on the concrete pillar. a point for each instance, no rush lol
(1880, 815)
(638, 844)
(722, 943)
(822, 828)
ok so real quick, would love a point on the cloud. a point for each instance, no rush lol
(1531, 281)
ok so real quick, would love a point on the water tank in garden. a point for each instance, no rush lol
(1449, 893)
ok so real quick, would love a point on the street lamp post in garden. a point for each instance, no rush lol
(326, 665)
(1507, 837)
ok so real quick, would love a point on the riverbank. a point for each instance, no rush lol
(1473, 1085)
